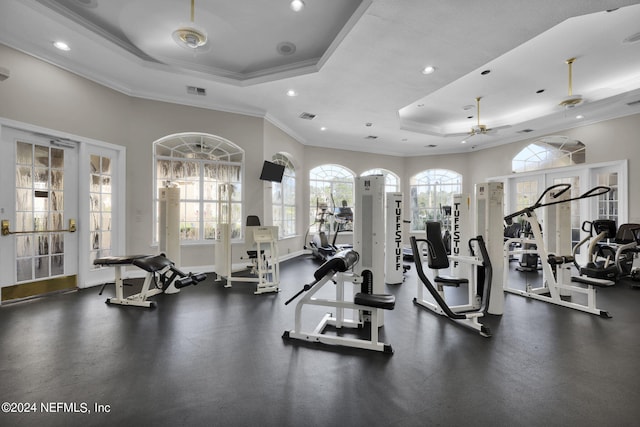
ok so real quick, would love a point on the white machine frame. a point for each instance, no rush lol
(489, 199)
(339, 319)
(266, 268)
(367, 268)
(553, 287)
(467, 314)
(141, 298)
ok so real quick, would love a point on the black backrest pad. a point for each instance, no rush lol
(437, 258)
(604, 225)
(154, 263)
(628, 233)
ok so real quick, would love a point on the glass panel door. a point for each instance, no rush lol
(101, 210)
(39, 237)
(100, 196)
(40, 195)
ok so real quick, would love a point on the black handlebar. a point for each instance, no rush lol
(595, 191)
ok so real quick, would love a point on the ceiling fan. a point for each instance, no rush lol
(478, 129)
(571, 100)
(190, 36)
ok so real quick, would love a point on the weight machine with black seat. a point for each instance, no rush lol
(554, 289)
(437, 259)
(363, 266)
(337, 270)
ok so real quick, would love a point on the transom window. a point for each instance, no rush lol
(199, 164)
(430, 191)
(283, 197)
(549, 152)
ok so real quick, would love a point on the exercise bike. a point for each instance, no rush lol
(611, 251)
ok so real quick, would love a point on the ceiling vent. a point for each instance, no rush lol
(192, 90)
(307, 116)
(525, 131)
(633, 103)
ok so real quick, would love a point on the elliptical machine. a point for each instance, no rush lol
(320, 246)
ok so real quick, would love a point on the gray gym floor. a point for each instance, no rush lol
(214, 356)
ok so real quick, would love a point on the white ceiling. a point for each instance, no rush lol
(356, 62)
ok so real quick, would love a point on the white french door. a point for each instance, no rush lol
(39, 242)
(62, 206)
(101, 211)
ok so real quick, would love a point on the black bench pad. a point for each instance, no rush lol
(450, 281)
(118, 260)
(593, 282)
(384, 301)
(153, 263)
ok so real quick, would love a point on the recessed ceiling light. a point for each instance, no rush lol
(540, 91)
(286, 48)
(292, 92)
(61, 45)
(323, 128)
(468, 107)
(296, 5)
(420, 105)
(464, 141)
(485, 72)
(579, 116)
(428, 69)
(368, 124)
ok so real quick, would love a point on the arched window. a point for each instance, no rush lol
(331, 186)
(198, 164)
(391, 180)
(430, 191)
(283, 197)
(549, 152)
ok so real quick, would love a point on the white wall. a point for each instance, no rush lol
(44, 95)
(611, 140)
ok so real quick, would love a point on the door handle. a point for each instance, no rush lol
(6, 231)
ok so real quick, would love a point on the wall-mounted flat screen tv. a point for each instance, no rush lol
(272, 172)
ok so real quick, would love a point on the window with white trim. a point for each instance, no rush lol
(283, 197)
(430, 190)
(331, 186)
(199, 164)
(549, 152)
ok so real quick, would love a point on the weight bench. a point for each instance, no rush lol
(335, 270)
(160, 270)
(117, 262)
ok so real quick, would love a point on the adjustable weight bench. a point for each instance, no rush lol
(117, 262)
(160, 270)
